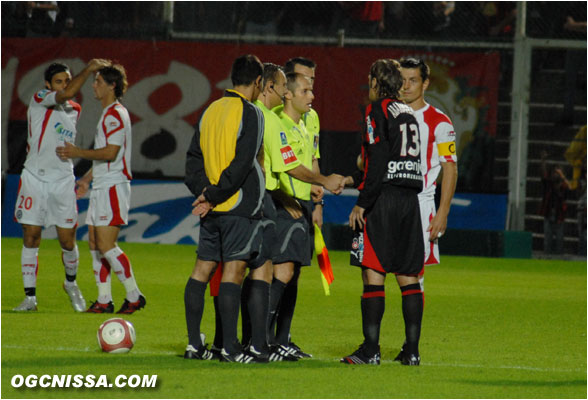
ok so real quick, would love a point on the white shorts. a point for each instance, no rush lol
(110, 206)
(46, 204)
(428, 211)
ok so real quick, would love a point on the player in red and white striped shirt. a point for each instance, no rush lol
(111, 191)
(46, 194)
(438, 153)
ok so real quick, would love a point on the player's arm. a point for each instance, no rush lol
(332, 182)
(438, 224)
(377, 154)
(78, 81)
(290, 204)
(195, 178)
(107, 153)
(83, 184)
(232, 177)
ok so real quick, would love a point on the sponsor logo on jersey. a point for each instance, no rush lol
(283, 138)
(103, 218)
(69, 220)
(64, 134)
(370, 130)
(288, 155)
(113, 124)
(404, 170)
(395, 166)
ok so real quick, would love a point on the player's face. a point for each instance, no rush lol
(303, 96)
(60, 81)
(413, 87)
(308, 72)
(101, 88)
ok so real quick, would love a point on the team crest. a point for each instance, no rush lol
(18, 214)
(41, 94)
(283, 138)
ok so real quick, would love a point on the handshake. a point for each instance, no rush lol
(335, 183)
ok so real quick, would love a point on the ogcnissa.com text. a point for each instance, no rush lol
(83, 381)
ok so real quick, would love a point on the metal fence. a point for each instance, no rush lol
(266, 21)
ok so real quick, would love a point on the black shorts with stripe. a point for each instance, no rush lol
(293, 235)
(392, 238)
(226, 238)
(268, 221)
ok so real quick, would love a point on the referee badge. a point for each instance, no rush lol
(283, 138)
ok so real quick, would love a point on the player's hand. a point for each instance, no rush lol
(82, 187)
(294, 209)
(335, 183)
(356, 218)
(97, 63)
(359, 162)
(201, 206)
(437, 227)
(317, 216)
(348, 181)
(67, 151)
(317, 193)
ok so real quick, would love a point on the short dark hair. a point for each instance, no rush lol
(53, 69)
(245, 70)
(291, 79)
(270, 73)
(115, 74)
(291, 63)
(414, 63)
(388, 77)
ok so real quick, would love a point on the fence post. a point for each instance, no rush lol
(519, 124)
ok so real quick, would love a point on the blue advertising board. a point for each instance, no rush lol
(161, 212)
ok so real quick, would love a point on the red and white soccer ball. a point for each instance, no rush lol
(116, 335)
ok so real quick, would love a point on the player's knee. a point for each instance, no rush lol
(31, 236)
(284, 274)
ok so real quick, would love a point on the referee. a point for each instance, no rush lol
(223, 171)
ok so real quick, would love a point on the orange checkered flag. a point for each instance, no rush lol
(322, 255)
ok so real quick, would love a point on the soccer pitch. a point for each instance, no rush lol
(492, 328)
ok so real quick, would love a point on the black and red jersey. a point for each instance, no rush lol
(390, 150)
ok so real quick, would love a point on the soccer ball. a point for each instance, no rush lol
(116, 335)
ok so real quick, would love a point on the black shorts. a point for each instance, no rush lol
(392, 237)
(226, 238)
(293, 235)
(268, 221)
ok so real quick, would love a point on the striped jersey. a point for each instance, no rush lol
(49, 125)
(391, 150)
(114, 128)
(437, 145)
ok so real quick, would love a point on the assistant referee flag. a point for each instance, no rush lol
(322, 255)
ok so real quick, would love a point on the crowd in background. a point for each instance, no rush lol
(479, 20)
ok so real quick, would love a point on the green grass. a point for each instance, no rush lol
(492, 328)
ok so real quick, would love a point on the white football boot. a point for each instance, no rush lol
(28, 304)
(75, 295)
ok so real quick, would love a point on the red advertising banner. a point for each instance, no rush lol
(170, 83)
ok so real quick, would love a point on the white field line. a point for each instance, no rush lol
(173, 353)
